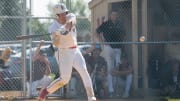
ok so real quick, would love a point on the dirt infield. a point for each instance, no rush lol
(61, 99)
(84, 100)
(17, 96)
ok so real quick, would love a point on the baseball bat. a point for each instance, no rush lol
(24, 37)
(71, 18)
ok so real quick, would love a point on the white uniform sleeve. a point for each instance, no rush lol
(53, 28)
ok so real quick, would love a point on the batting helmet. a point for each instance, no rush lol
(60, 8)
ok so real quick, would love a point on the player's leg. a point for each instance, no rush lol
(65, 67)
(109, 57)
(66, 57)
(34, 85)
(128, 85)
(80, 66)
(28, 89)
(117, 61)
(117, 54)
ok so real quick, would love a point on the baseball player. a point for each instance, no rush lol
(63, 35)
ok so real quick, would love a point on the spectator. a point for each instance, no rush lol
(98, 71)
(170, 77)
(41, 70)
(75, 85)
(124, 74)
(5, 58)
(111, 31)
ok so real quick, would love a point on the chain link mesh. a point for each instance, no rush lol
(161, 41)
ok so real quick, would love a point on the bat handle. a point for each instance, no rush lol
(20, 37)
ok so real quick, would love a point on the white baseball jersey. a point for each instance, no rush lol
(66, 41)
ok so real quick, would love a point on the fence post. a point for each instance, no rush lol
(134, 38)
(24, 28)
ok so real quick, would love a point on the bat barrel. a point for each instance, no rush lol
(24, 37)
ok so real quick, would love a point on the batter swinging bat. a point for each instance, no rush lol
(23, 37)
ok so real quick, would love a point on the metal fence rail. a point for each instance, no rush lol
(12, 78)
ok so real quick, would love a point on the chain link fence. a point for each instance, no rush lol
(16, 20)
(154, 54)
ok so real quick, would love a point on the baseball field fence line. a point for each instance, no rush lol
(151, 44)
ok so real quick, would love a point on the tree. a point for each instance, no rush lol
(79, 8)
(10, 27)
(39, 28)
(83, 24)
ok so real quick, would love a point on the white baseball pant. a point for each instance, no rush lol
(68, 59)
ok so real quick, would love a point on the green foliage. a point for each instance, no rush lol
(79, 7)
(39, 28)
(83, 24)
(10, 27)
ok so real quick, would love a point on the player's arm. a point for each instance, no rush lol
(36, 53)
(89, 50)
(99, 32)
(68, 26)
(119, 73)
(99, 37)
(55, 37)
(64, 30)
(70, 21)
(48, 69)
(123, 72)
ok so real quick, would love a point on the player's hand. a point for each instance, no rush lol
(70, 21)
(71, 18)
(68, 26)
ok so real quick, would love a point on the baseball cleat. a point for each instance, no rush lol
(43, 95)
(93, 99)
